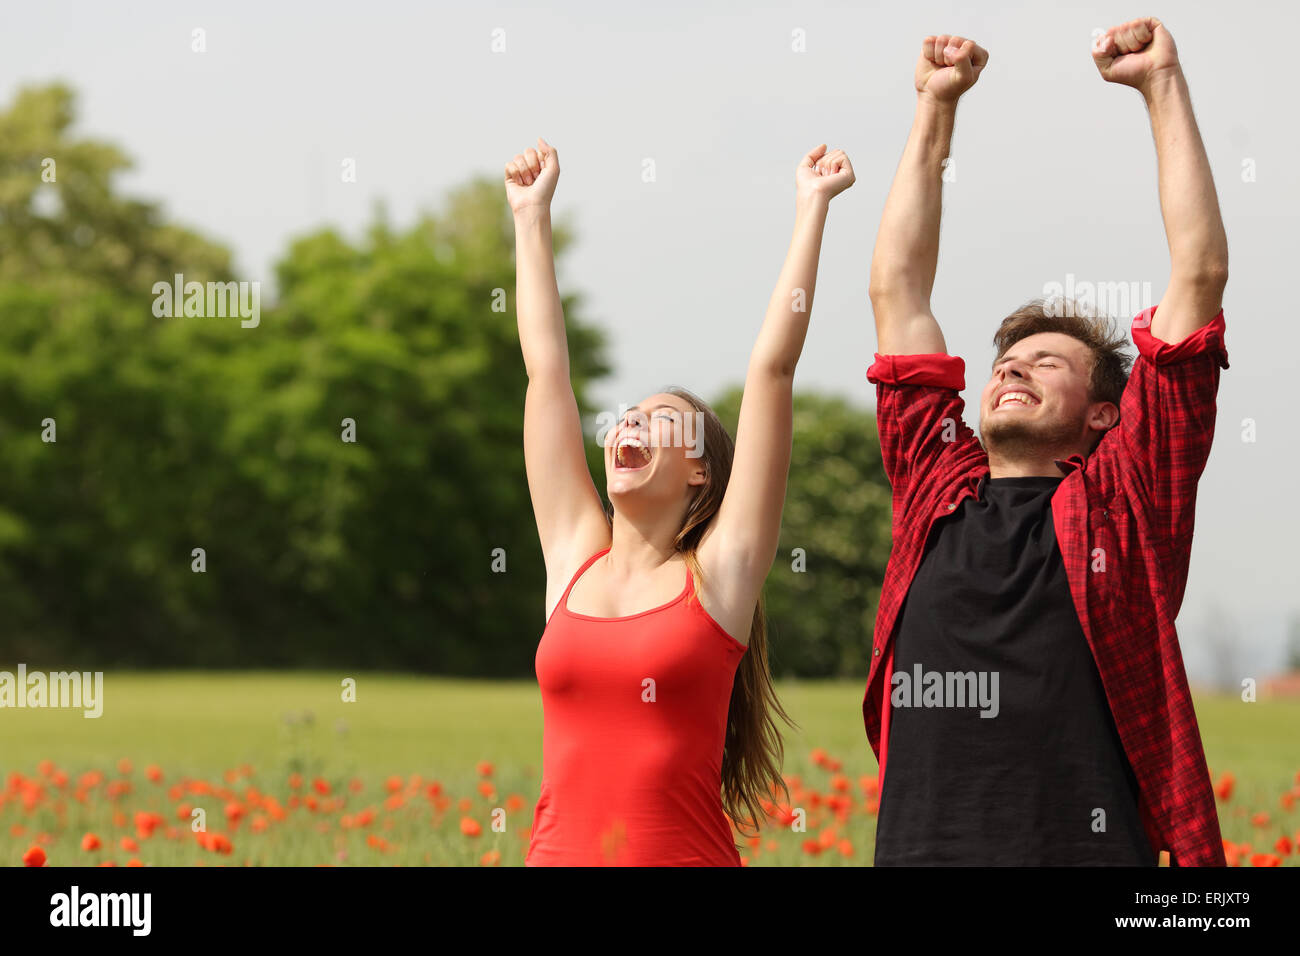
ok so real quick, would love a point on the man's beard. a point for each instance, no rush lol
(1013, 437)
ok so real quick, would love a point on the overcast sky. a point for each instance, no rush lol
(1055, 178)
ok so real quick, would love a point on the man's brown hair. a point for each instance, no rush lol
(1098, 331)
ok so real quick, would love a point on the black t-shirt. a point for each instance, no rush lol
(989, 627)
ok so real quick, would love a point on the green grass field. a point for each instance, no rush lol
(427, 730)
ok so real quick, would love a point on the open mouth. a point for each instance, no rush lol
(1015, 400)
(631, 455)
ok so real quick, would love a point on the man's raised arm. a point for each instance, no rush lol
(907, 246)
(1141, 54)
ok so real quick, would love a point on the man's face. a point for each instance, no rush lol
(1037, 398)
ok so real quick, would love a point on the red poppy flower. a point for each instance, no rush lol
(1223, 789)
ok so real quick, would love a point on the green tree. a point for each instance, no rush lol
(412, 336)
(182, 433)
(93, 526)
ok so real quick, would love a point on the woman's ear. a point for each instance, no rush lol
(699, 476)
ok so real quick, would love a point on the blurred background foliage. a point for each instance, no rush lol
(183, 433)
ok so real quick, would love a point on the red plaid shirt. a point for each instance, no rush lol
(1123, 518)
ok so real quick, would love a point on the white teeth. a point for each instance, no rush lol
(630, 443)
(1019, 397)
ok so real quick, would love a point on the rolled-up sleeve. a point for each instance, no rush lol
(1165, 431)
(919, 413)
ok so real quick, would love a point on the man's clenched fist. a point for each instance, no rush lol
(1135, 52)
(949, 66)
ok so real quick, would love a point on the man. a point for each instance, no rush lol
(1027, 700)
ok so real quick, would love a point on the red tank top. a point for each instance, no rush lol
(635, 717)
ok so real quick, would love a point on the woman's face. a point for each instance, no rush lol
(656, 452)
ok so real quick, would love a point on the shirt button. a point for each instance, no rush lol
(877, 652)
(950, 507)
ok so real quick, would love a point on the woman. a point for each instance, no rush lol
(656, 693)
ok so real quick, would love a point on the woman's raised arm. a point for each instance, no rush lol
(738, 550)
(571, 522)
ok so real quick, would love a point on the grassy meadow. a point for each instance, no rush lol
(410, 773)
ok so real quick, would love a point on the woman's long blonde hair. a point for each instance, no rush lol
(753, 752)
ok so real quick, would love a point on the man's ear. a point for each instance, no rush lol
(1103, 416)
